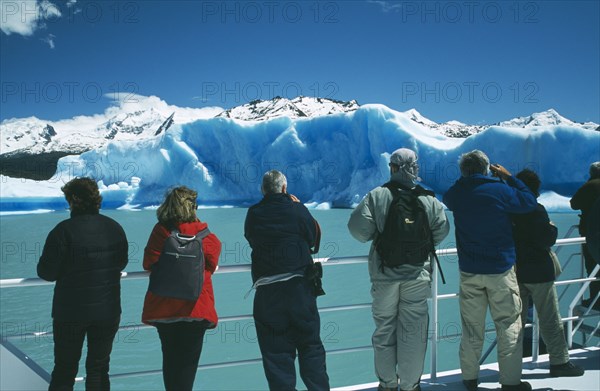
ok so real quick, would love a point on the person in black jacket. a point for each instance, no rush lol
(281, 233)
(534, 234)
(584, 200)
(85, 255)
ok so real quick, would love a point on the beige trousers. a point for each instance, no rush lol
(551, 327)
(499, 292)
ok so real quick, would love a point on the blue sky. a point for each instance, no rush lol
(472, 61)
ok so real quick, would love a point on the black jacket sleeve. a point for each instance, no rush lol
(123, 259)
(53, 255)
(545, 233)
(309, 225)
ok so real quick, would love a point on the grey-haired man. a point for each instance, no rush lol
(282, 233)
(400, 293)
(482, 208)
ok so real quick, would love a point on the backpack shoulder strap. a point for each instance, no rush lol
(204, 233)
(419, 191)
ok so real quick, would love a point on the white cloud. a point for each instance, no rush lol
(131, 102)
(49, 40)
(24, 17)
(71, 3)
(387, 6)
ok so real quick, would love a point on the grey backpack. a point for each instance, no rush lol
(179, 272)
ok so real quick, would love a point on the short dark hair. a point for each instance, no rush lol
(82, 195)
(531, 180)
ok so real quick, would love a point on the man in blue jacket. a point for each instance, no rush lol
(281, 232)
(486, 255)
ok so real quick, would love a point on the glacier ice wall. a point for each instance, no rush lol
(336, 158)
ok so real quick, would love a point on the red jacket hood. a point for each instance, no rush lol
(192, 228)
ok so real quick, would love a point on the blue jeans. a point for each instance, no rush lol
(68, 341)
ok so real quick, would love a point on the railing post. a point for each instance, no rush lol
(574, 302)
(434, 321)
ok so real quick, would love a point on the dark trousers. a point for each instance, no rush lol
(68, 341)
(181, 344)
(287, 321)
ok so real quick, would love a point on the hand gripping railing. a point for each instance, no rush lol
(334, 261)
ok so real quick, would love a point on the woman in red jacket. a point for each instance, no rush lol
(181, 324)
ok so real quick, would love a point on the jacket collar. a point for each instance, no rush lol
(277, 197)
(76, 213)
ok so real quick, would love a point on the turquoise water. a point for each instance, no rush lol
(25, 310)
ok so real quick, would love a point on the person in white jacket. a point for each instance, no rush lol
(400, 293)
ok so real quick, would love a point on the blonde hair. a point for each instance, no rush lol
(179, 207)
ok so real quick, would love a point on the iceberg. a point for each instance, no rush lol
(330, 161)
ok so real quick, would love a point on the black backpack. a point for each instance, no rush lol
(406, 236)
(179, 272)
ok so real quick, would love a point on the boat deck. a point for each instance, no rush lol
(537, 374)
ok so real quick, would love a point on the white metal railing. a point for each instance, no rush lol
(337, 261)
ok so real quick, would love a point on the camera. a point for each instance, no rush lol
(494, 170)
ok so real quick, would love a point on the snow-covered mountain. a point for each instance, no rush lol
(454, 129)
(545, 118)
(34, 136)
(300, 107)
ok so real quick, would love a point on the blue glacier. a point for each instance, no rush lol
(334, 159)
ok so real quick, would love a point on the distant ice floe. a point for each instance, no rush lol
(24, 212)
(555, 202)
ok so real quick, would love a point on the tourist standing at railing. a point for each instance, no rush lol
(281, 233)
(482, 208)
(584, 200)
(85, 255)
(400, 293)
(181, 323)
(592, 234)
(534, 234)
